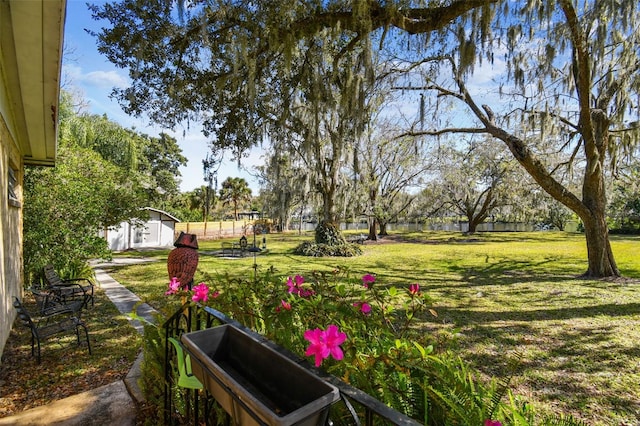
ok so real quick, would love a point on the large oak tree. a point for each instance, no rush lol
(236, 66)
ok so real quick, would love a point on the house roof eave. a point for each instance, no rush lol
(32, 34)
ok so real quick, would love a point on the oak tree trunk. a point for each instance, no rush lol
(473, 225)
(372, 230)
(383, 229)
(600, 256)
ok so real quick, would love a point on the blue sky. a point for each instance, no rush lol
(93, 76)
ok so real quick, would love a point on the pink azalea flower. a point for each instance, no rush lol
(325, 343)
(414, 289)
(294, 286)
(363, 307)
(174, 286)
(490, 422)
(200, 293)
(306, 293)
(317, 346)
(333, 339)
(367, 280)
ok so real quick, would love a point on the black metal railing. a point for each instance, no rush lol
(183, 406)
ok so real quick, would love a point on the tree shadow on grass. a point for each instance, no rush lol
(573, 358)
(503, 273)
(460, 238)
(552, 314)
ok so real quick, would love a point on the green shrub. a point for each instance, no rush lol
(329, 241)
(309, 248)
(380, 351)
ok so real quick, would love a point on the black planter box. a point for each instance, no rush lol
(254, 383)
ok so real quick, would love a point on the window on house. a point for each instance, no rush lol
(13, 185)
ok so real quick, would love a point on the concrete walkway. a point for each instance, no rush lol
(110, 405)
(124, 299)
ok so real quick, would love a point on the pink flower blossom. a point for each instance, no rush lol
(200, 293)
(295, 287)
(316, 347)
(324, 343)
(285, 305)
(295, 283)
(367, 280)
(333, 339)
(306, 293)
(490, 422)
(414, 289)
(363, 307)
(174, 286)
(292, 286)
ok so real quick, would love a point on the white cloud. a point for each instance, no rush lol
(102, 79)
(488, 73)
(107, 79)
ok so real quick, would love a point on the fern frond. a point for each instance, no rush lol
(504, 384)
(563, 420)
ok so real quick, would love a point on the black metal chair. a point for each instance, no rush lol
(69, 289)
(44, 327)
(52, 301)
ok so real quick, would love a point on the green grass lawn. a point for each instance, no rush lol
(496, 295)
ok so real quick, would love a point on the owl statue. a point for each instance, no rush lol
(183, 260)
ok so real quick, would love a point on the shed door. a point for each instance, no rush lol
(152, 235)
(148, 235)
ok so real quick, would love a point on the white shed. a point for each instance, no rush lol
(157, 231)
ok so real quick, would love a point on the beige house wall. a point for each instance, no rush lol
(31, 39)
(11, 273)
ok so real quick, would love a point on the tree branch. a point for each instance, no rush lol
(440, 132)
(414, 20)
(557, 117)
(582, 72)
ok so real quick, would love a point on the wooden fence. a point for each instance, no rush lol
(215, 230)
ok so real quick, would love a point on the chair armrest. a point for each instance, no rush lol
(87, 282)
(84, 283)
(67, 287)
(53, 311)
(51, 303)
(72, 291)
